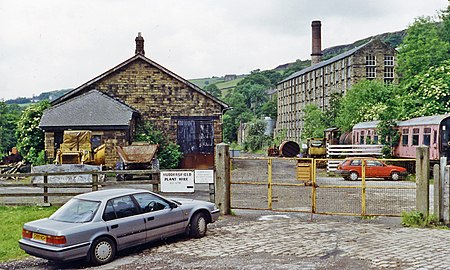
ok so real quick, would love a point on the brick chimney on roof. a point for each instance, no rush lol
(316, 55)
(139, 44)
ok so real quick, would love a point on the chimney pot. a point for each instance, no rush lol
(139, 44)
(316, 55)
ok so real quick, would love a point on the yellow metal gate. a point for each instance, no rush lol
(303, 185)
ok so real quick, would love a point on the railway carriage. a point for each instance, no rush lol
(432, 131)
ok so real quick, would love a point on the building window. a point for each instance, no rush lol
(375, 139)
(370, 72)
(415, 136)
(361, 138)
(388, 74)
(405, 137)
(370, 60)
(426, 136)
(389, 60)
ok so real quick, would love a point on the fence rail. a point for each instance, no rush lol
(93, 185)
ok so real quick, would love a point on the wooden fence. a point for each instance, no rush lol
(94, 185)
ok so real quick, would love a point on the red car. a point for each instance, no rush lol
(351, 169)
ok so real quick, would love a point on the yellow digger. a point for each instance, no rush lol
(77, 149)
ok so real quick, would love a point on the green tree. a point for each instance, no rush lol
(389, 136)
(30, 138)
(269, 108)
(213, 90)
(256, 139)
(368, 101)
(232, 118)
(422, 47)
(428, 92)
(169, 153)
(314, 122)
(9, 115)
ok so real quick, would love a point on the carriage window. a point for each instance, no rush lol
(434, 136)
(405, 137)
(426, 136)
(415, 136)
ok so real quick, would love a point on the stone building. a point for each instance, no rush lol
(138, 89)
(319, 82)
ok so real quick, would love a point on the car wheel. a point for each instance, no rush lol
(395, 176)
(198, 226)
(354, 176)
(103, 251)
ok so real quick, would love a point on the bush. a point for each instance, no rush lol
(256, 139)
(169, 153)
(30, 138)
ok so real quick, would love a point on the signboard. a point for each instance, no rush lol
(177, 181)
(204, 176)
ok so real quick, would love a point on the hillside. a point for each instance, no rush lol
(51, 95)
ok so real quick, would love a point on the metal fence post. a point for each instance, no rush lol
(422, 180)
(363, 187)
(314, 181)
(269, 184)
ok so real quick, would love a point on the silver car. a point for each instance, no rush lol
(96, 225)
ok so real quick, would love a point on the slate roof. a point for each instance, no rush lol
(83, 87)
(91, 109)
(326, 62)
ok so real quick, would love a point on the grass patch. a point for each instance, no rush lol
(417, 219)
(12, 219)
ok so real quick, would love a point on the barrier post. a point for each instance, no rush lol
(422, 180)
(445, 191)
(437, 200)
(223, 182)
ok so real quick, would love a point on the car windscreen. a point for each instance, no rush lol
(76, 211)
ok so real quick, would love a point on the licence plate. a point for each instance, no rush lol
(40, 237)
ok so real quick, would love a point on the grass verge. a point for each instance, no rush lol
(12, 219)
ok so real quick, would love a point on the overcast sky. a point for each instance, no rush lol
(48, 45)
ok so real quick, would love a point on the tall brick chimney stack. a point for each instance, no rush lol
(139, 44)
(316, 55)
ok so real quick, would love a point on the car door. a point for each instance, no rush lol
(125, 222)
(370, 168)
(355, 165)
(161, 218)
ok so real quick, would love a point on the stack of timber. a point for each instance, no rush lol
(11, 168)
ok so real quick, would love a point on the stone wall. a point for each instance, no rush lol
(318, 86)
(158, 96)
